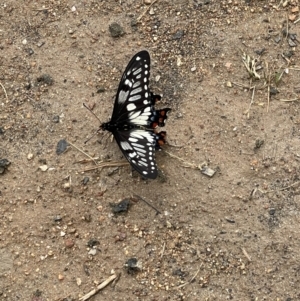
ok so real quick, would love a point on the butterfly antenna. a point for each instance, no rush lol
(97, 118)
(91, 111)
(85, 142)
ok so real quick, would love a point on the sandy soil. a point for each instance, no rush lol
(233, 236)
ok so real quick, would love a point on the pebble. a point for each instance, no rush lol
(24, 42)
(193, 69)
(69, 243)
(43, 167)
(92, 252)
(30, 156)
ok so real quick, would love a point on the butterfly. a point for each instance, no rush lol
(134, 119)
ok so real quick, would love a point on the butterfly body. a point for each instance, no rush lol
(134, 117)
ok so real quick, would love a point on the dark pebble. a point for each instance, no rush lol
(61, 146)
(3, 165)
(45, 79)
(93, 242)
(116, 30)
(85, 180)
(123, 206)
(178, 35)
(272, 211)
(55, 119)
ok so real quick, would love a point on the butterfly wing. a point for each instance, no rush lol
(138, 146)
(133, 103)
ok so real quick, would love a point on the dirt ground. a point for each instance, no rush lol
(230, 72)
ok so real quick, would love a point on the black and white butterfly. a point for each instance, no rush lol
(134, 117)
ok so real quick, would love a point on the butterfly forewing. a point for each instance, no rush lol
(133, 103)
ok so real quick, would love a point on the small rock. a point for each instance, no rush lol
(133, 265)
(73, 8)
(4, 163)
(93, 242)
(147, 2)
(69, 243)
(193, 69)
(151, 12)
(178, 35)
(45, 79)
(61, 146)
(24, 42)
(92, 252)
(78, 281)
(43, 167)
(116, 30)
(29, 156)
(55, 119)
(62, 233)
(292, 43)
(60, 277)
(272, 211)
(85, 180)
(122, 206)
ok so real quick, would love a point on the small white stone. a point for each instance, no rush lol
(193, 69)
(73, 8)
(62, 233)
(92, 252)
(29, 156)
(157, 78)
(43, 167)
(24, 42)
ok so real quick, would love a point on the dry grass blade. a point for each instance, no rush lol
(4, 91)
(142, 15)
(250, 65)
(98, 288)
(290, 100)
(186, 283)
(106, 164)
(82, 152)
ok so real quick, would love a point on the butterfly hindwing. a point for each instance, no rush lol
(138, 146)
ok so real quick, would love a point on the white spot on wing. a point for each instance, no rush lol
(137, 71)
(136, 84)
(125, 145)
(131, 107)
(122, 96)
(135, 97)
(136, 91)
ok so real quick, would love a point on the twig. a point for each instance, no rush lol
(188, 282)
(287, 27)
(284, 188)
(268, 105)
(99, 287)
(290, 100)
(297, 21)
(163, 250)
(150, 205)
(296, 68)
(241, 85)
(246, 254)
(142, 15)
(106, 164)
(82, 152)
(4, 92)
(188, 164)
(251, 102)
(86, 160)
